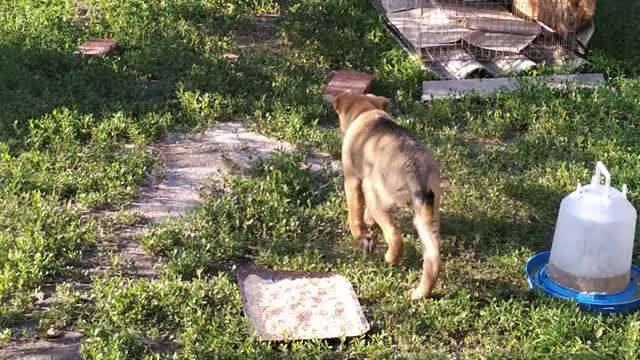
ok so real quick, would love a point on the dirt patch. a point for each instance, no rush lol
(260, 32)
(190, 161)
(476, 145)
(64, 347)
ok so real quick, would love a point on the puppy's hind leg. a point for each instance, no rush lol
(356, 207)
(368, 218)
(384, 216)
(392, 235)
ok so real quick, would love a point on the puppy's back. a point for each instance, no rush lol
(383, 149)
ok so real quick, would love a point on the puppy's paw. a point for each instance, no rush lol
(392, 258)
(365, 242)
(419, 293)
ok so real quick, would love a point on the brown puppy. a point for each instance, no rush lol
(386, 168)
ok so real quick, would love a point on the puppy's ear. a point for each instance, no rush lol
(337, 100)
(380, 102)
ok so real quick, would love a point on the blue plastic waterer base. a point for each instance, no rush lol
(625, 301)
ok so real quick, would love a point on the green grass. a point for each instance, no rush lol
(75, 135)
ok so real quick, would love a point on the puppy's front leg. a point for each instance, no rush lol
(356, 206)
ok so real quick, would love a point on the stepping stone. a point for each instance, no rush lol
(343, 80)
(98, 47)
(230, 57)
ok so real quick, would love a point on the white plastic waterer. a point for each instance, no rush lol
(593, 240)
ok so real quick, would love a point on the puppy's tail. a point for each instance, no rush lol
(426, 221)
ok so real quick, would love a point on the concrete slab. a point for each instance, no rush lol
(441, 89)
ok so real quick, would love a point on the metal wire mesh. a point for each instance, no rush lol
(443, 30)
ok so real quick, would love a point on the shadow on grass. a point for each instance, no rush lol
(616, 38)
(137, 81)
(482, 237)
(141, 79)
(35, 81)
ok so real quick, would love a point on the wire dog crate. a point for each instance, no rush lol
(468, 31)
